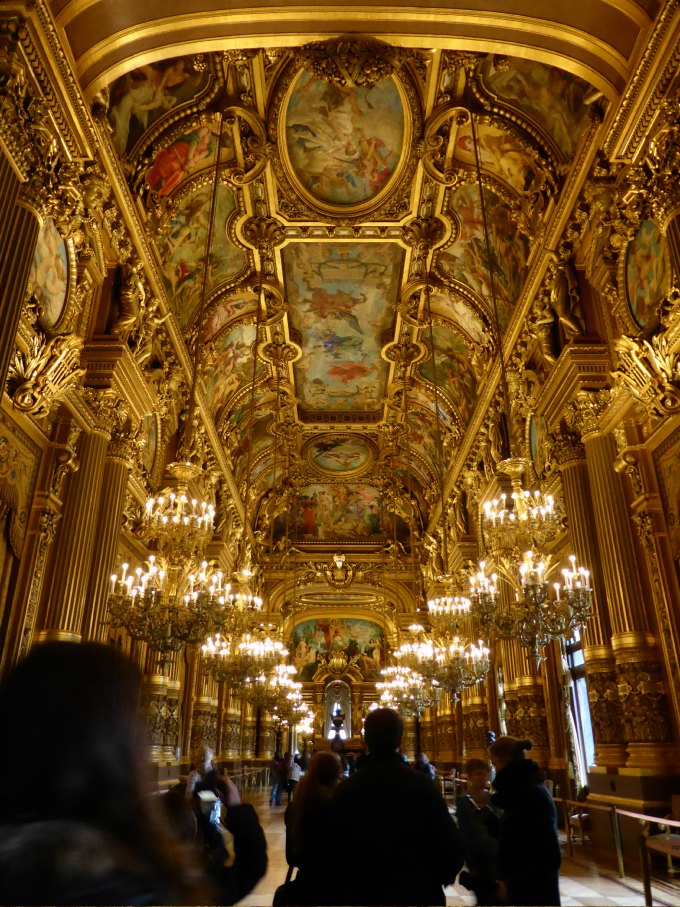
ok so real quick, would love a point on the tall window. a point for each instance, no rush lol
(580, 707)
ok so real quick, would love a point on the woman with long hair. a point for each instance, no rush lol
(76, 821)
(309, 827)
(528, 848)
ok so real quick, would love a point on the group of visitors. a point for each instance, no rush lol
(284, 773)
(406, 846)
(78, 826)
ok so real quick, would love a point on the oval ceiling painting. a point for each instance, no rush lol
(344, 144)
(333, 454)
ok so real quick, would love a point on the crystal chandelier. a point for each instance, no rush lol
(446, 613)
(164, 607)
(418, 654)
(407, 691)
(536, 617)
(179, 524)
(232, 659)
(274, 689)
(523, 520)
(484, 597)
(461, 665)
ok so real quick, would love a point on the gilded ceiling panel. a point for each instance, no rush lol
(342, 299)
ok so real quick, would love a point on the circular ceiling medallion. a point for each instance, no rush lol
(339, 454)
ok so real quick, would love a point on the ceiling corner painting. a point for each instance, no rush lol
(191, 152)
(232, 367)
(362, 641)
(339, 454)
(500, 153)
(141, 97)
(466, 260)
(342, 298)
(183, 250)
(454, 372)
(344, 144)
(554, 99)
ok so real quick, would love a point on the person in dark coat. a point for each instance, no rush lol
(85, 833)
(528, 848)
(425, 767)
(309, 824)
(405, 845)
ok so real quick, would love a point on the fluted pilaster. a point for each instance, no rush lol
(77, 536)
(15, 265)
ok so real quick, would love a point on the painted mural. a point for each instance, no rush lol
(344, 143)
(551, 97)
(148, 432)
(260, 434)
(466, 260)
(48, 278)
(233, 365)
(422, 435)
(313, 639)
(499, 152)
(336, 512)
(339, 453)
(189, 153)
(342, 301)
(463, 315)
(224, 311)
(19, 462)
(647, 274)
(455, 374)
(667, 461)
(182, 250)
(142, 96)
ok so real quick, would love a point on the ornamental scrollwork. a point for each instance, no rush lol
(650, 371)
(643, 702)
(40, 377)
(351, 61)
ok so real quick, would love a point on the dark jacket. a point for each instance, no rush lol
(479, 827)
(528, 849)
(61, 861)
(404, 843)
(250, 854)
(307, 847)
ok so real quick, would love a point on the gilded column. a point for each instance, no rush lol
(531, 709)
(475, 722)
(638, 673)
(408, 740)
(116, 473)
(247, 731)
(427, 733)
(445, 730)
(63, 605)
(231, 735)
(267, 742)
(610, 747)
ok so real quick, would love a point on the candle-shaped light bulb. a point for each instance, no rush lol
(125, 569)
(113, 582)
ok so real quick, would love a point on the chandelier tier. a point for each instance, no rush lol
(274, 690)
(418, 655)
(446, 613)
(461, 665)
(232, 659)
(180, 525)
(407, 691)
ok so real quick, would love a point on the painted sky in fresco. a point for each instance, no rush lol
(339, 453)
(466, 260)
(312, 639)
(182, 250)
(344, 144)
(342, 301)
(233, 366)
(455, 374)
(551, 97)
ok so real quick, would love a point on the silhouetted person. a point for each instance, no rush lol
(82, 832)
(479, 825)
(528, 849)
(309, 826)
(424, 766)
(405, 845)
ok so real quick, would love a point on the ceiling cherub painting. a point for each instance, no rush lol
(344, 144)
(142, 96)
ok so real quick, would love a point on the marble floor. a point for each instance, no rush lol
(582, 884)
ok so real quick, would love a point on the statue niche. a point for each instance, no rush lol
(337, 710)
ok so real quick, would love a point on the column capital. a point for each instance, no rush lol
(585, 410)
(567, 448)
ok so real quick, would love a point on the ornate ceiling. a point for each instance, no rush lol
(340, 259)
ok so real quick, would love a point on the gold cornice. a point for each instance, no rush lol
(581, 366)
(600, 56)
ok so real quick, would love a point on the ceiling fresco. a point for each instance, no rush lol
(344, 144)
(341, 299)
(347, 186)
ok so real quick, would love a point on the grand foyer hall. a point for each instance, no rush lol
(290, 297)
